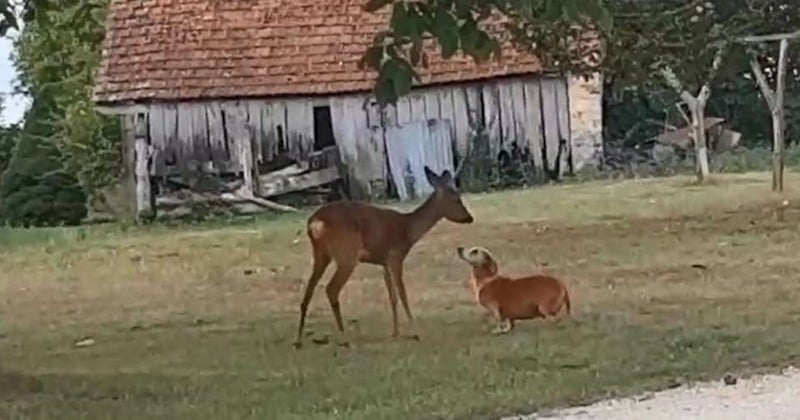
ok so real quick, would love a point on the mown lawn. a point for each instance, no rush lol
(671, 282)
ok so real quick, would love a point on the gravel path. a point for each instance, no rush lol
(767, 397)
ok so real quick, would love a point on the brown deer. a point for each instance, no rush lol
(352, 232)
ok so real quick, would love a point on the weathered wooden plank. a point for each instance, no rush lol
(372, 160)
(413, 146)
(437, 147)
(552, 135)
(273, 186)
(256, 127)
(518, 107)
(364, 169)
(276, 140)
(507, 120)
(158, 139)
(474, 104)
(433, 109)
(564, 129)
(216, 134)
(404, 114)
(373, 111)
(171, 131)
(533, 123)
(300, 128)
(267, 136)
(418, 112)
(142, 151)
(201, 147)
(343, 120)
(235, 123)
(238, 132)
(492, 117)
(461, 120)
(405, 154)
(184, 149)
(447, 112)
(389, 116)
(128, 176)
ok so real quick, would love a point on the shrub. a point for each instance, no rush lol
(34, 189)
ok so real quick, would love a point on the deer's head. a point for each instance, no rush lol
(447, 198)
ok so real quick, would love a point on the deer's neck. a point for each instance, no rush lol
(422, 220)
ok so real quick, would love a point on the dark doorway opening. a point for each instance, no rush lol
(323, 128)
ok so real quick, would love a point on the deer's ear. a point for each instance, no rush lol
(432, 177)
(446, 177)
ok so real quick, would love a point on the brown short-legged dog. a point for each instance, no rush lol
(510, 299)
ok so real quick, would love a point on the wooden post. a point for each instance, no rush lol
(128, 173)
(236, 122)
(142, 152)
(778, 122)
(774, 100)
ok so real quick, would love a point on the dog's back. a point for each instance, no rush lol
(526, 297)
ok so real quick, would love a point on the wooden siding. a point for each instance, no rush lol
(531, 113)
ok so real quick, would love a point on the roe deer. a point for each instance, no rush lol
(509, 299)
(351, 232)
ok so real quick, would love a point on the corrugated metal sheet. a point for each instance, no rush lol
(413, 146)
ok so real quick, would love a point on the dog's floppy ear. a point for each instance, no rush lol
(489, 262)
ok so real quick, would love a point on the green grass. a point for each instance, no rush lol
(197, 322)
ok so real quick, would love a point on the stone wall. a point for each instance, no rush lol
(586, 120)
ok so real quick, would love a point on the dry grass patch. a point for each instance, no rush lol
(671, 282)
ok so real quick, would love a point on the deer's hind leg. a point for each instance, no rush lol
(321, 261)
(395, 268)
(346, 257)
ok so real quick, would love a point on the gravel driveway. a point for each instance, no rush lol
(766, 397)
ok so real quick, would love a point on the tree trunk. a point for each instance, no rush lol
(777, 149)
(699, 136)
(778, 121)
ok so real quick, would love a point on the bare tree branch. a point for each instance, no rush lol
(761, 79)
(781, 83)
(672, 80)
(683, 114)
(705, 91)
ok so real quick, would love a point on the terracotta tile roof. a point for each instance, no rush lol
(200, 49)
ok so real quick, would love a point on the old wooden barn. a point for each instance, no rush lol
(266, 97)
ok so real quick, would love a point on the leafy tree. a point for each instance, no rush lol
(8, 16)
(651, 43)
(57, 56)
(34, 189)
(8, 139)
(460, 26)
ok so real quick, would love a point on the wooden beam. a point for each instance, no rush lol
(142, 153)
(128, 175)
(755, 39)
(272, 187)
(242, 195)
(122, 110)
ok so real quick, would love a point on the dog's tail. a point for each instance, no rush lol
(567, 302)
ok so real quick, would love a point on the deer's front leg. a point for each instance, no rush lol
(390, 288)
(395, 266)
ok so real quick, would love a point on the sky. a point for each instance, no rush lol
(14, 106)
